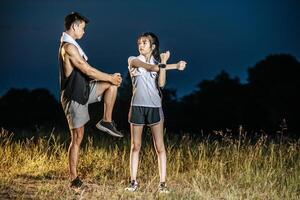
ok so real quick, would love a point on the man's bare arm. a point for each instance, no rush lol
(84, 67)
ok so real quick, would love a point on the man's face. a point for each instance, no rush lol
(79, 29)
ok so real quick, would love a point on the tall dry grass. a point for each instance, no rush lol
(223, 167)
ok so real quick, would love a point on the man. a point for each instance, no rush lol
(80, 85)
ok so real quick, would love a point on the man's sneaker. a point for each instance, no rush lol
(76, 183)
(109, 127)
(133, 186)
(163, 188)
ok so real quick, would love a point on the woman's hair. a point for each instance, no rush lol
(153, 40)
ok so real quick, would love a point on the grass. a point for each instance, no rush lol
(198, 168)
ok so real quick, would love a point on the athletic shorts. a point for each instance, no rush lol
(139, 115)
(77, 114)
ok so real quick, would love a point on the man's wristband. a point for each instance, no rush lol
(160, 65)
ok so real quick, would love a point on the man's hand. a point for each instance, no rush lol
(164, 57)
(116, 79)
(181, 65)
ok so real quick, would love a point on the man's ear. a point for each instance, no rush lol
(73, 26)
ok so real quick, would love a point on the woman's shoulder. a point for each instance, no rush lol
(140, 57)
(130, 58)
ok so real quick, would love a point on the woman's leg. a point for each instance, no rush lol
(136, 141)
(158, 139)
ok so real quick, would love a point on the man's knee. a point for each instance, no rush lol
(102, 87)
(113, 87)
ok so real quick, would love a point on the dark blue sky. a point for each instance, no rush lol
(210, 35)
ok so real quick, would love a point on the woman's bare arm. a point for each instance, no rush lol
(162, 71)
(135, 62)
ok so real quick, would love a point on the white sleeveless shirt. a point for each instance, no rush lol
(144, 85)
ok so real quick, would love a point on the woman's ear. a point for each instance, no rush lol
(153, 47)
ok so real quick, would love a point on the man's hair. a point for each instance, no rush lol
(74, 17)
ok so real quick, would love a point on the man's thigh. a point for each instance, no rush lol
(97, 90)
(77, 115)
(102, 87)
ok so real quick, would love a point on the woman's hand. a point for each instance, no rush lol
(181, 65)
(164, 57)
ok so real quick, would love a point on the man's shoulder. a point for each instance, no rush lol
(67, 50)
(68, 46)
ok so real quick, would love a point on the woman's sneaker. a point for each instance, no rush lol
(133, 186)
(76, 183)
(163, 188)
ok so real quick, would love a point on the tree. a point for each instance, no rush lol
(215, 104)
(24, 109)
(273, 86)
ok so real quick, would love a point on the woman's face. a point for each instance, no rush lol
(144, 46)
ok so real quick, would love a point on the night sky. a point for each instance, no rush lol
(210, 35)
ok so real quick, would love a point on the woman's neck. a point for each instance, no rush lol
(147, 57)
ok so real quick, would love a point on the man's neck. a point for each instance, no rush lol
(70, 33)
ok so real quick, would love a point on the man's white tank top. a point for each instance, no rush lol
(144, 85)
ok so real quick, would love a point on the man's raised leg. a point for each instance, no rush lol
(109, 94)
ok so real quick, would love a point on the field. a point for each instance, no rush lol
(218, 166)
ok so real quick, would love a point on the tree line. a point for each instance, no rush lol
(268, 101)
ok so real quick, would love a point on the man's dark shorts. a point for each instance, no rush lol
(139, 115)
